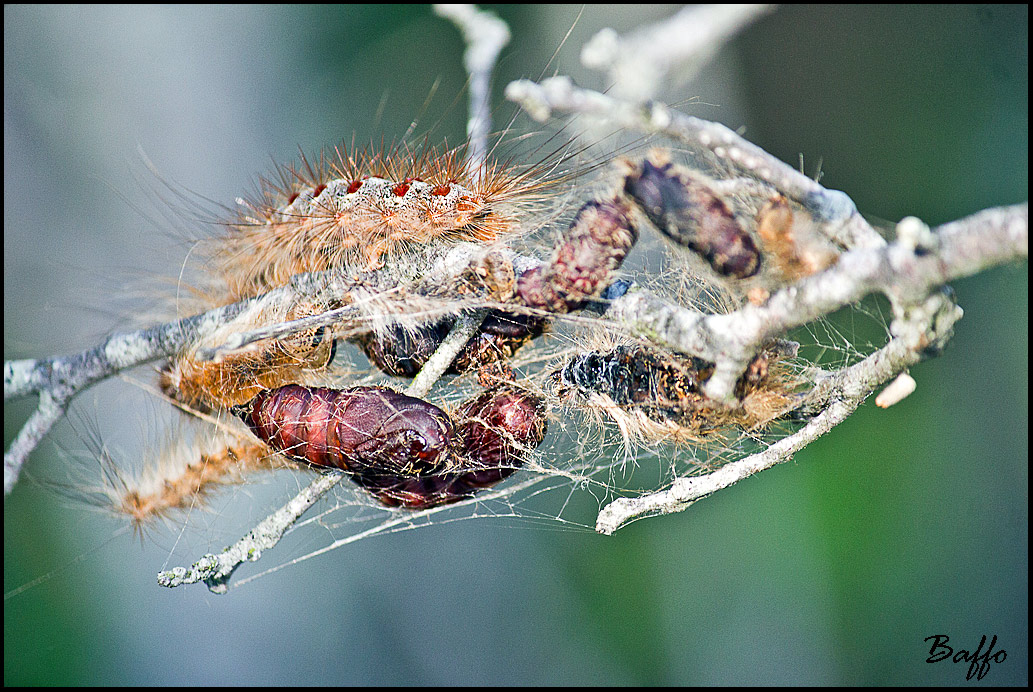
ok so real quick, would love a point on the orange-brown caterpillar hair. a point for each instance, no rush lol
(355, 208)
(207, 385)
(184, 475)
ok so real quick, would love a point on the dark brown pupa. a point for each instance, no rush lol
(686, 210)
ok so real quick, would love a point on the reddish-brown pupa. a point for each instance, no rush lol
(370, 430)
(403, 450)
(494, 435)
(686, 210)
(582, 264)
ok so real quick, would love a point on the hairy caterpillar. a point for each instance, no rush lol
(358, 208)
(350, 212)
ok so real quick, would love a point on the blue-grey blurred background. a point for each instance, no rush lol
(832, 569)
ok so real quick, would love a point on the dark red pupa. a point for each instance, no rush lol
(370, 430)
(494, 436)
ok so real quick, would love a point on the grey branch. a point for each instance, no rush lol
(638, 64)
(58, 380)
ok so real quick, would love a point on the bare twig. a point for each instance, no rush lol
(638, 63)
(59, 380)
(485, 35)
(836, 397)
(841, 220)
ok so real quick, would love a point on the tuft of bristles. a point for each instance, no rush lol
(209, 385)
(185, 474)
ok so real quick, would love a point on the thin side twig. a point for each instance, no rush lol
(215, 570)
(638, 63)
(837, 397)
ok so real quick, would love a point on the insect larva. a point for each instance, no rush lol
(355, 209)
(684, 208)
(349, 211)
(195, 481)
(183, 475)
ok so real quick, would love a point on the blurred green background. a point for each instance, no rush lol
(832, 569)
